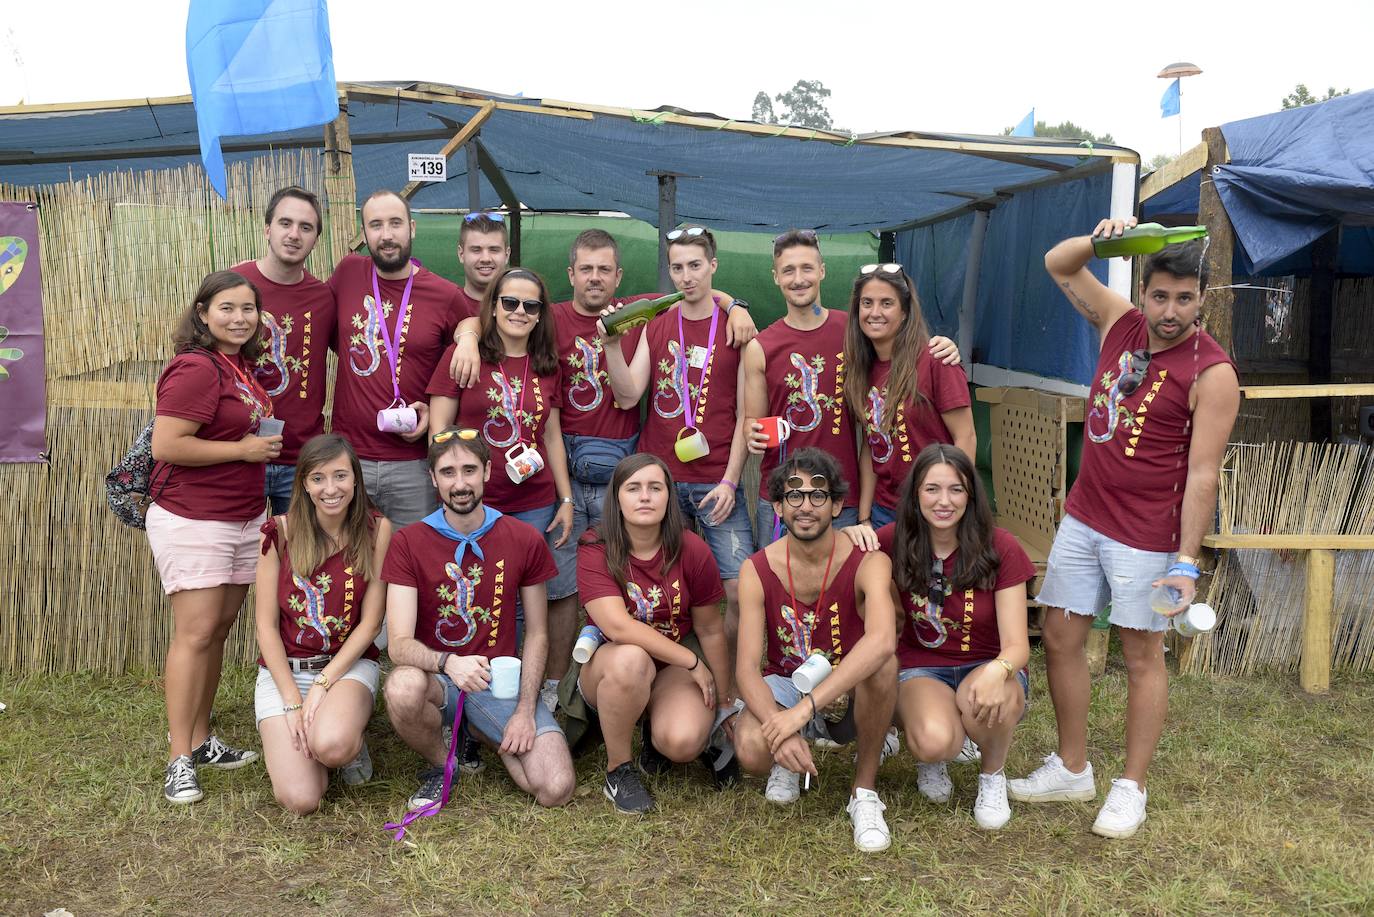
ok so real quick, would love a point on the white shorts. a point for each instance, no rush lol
(267, 700)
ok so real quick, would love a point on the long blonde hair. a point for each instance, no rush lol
(307, 544)
(859, 354)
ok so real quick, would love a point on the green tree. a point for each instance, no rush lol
(804, 105)
(1159, 162)
(1065, 130)
(1300, 96)
(763, 109)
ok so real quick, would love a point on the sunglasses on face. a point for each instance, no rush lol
(464, 433)
(798, 497)
(510, 303)
(493, 216)
(692, 231)
(1140, 365)
(880, 269)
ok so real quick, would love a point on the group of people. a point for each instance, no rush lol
(488, 476)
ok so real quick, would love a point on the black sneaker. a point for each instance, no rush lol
(180, 785)
(214, 753)
(651, 761)
(470, 755)
(723, 776)
(624, 789)
(431, 788)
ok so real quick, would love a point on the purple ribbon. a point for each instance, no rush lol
(390, 341)
(687, 364)
(398, 829)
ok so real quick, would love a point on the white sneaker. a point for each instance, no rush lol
(548, 695)
(784, 786)
(1053, 782)
(933, 781)
(969, 754)
(866, 812)
(891, 745)
(359, 770)
(992, 810)
(1124, 810)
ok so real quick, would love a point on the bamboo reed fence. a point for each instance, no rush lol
(122, 255)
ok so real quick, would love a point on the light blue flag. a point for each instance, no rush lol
(1027, 126)
(256, 67)
(1171, 103)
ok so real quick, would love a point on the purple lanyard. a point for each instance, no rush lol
(398, 829)
(687, 364)
(393, 342)
(520, 407)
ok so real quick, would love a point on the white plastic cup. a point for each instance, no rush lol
(270, 426)
(505, 677)
(397, 420)
(808, 676)
(1198, 619)
(587, 642)
(1164, 598)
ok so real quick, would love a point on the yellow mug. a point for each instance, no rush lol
(691, 445)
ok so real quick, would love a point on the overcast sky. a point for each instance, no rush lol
(972, 67)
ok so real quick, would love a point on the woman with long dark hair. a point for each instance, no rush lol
(207, 507)
(961, 583)
(653, 588)
(319, 607)
(904, 396)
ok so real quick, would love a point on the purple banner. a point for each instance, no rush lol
(22, 390)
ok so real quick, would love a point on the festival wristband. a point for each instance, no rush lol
(1182, 569)
(727, 482)
(443, 660)
(814, 714)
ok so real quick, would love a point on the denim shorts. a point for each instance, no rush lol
(401, 491)
(539, 519)
(279, 481)
(1087, 570)
(587, 503)
(732, 541)
(487, 715)
(848, 516)
(787, 695)
(880, 516)
(954, 675)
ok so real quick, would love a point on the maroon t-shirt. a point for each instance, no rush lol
(663, 602)
(713, 379)
(318, 611)
(588, 402)
(945, 389)
(964, 630)
(796, 630)
(201, 386)
(470, 611)
(804, 372)
(297, 329)
(502, 395)
(1135, 447)
(364, 384)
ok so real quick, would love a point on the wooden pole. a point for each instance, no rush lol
(1218, 303)
(1315, 672)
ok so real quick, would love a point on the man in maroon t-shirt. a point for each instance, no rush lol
(453, 580)
(297, 327)
(1164, 398)
(793, 608)
(484, 252)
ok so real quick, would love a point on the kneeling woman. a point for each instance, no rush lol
(963, 646)
(653, 588)
(319, 607)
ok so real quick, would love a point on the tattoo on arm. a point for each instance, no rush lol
(1080, 302)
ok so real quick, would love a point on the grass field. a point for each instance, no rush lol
(1261, 801)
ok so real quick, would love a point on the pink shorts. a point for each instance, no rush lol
(200, 553)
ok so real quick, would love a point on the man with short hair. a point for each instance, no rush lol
(1164, 398)
(814, 593)
(297, 324)
(452, 583)
(394, 321)
(484, 251)
(694, 420)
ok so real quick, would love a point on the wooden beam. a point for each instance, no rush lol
(55, 107)
(1220, 299)
(374, 93)
(1295, 541)
(1329, 390)
(1173, 172)
(1315, 668)
(468, 131)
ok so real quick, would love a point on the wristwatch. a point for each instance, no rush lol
(322, 680)
(743, 304)
(565, 500)
(1187, 559)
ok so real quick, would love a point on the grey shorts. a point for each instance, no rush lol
(1086, 570)
(787, 695)
(402, 491)
(487, 715)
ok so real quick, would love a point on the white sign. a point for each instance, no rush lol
(427, 167)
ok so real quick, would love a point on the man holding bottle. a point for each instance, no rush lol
(1164, 398)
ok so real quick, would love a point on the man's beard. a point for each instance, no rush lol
(401, 259)
(452, 502)
(823, 526)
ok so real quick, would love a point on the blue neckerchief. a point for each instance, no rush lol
(436, 521)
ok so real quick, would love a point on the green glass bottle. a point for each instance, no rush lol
(638, 312)
(1145, 239)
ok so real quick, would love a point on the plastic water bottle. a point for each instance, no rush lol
(1165, 599)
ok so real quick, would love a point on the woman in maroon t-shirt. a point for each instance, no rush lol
(963, 647)
(653, 588)
(319, 607)
(904, 397)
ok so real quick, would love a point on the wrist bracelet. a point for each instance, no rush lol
(461, 333)
(287, 708)
(729, 482)
(814, 714)
(1006, 665)
(443, 661)
(696, 661)
(867, 522)
(1182, 569)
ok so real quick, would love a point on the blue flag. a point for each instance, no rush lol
(1027, 126)
(1171, 103)
(257, 67)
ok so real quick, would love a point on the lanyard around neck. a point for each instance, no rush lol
(691, 402)
(258, 393)
(389, 340)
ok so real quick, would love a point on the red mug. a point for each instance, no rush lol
(776, 429)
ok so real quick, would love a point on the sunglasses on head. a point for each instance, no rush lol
(480, 215)
(464, 433)
(880, 269)
(1140, 365)
(807, 234)
(691, 231)
(510, 303)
